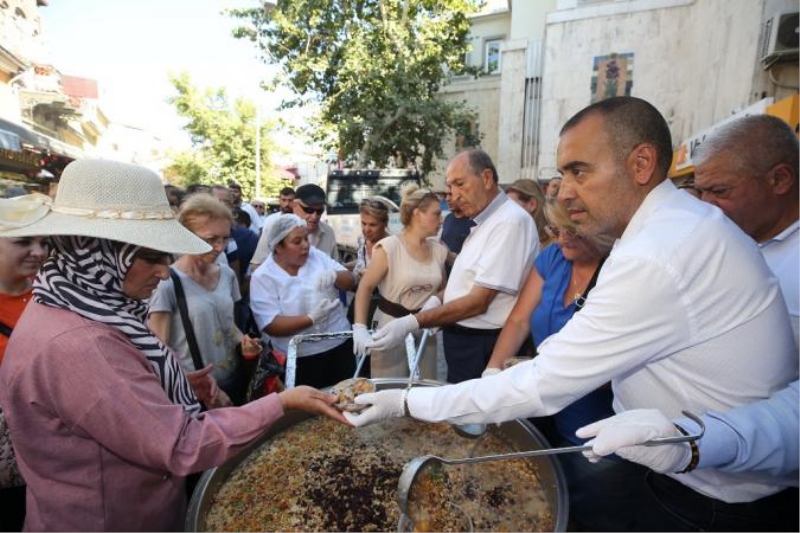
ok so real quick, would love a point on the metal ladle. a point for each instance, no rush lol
(412, 468)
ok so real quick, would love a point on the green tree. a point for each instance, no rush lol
(373, 68)
(223, 136)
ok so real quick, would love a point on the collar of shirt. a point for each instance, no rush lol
(790, 230)
(493, 206)
(651, 202)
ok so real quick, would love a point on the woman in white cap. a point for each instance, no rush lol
(105, 425)
(294, 292)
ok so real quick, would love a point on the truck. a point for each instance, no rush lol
(346, 188)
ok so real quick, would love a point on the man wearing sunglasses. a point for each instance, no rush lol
(308, 204)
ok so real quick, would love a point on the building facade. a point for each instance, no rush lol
(698, 61)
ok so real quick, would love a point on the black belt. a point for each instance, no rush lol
(393, 309)
(463, 330)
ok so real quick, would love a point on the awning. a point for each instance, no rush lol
(39, 141)
(9, 140)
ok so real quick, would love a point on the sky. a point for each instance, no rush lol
(131, 46)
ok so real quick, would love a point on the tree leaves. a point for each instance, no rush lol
(223, 135)
(374, 67)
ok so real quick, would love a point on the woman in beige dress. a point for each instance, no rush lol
(407, 269)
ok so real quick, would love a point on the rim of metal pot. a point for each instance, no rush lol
(560, 497)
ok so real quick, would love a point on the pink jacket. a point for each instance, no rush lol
(100, 445)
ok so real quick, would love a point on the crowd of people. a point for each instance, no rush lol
(130, 312)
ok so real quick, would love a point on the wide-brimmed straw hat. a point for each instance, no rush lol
(106, 200)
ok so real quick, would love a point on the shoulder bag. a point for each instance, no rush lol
(180, 296)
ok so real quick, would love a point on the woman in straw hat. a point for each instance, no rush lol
(105, 425)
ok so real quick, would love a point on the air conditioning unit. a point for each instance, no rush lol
(780, 40)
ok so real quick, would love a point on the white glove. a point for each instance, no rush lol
(324, 282)
(322, 309)
(394, 333)
(431, 303)
(360, 339)
(490, 371)
(618, 434)
(384, 404)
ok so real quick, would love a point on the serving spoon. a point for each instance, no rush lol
(429, 463)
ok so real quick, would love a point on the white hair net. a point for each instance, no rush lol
(281, 228)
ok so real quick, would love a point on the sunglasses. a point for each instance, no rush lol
(310, 210)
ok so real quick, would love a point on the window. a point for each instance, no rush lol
(492, 56)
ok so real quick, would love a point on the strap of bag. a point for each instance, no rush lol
(592, 282)
(5, 329)
(194, 349)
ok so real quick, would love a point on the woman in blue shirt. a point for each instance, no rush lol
(564, 272)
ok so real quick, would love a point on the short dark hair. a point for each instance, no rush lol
(480, 161)
(287, 191)
(241, 216)
(234, 185)
(629, 122)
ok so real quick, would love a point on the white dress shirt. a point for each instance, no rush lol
(782, 254)
(685, 315)
(761, 436)
(497, 254)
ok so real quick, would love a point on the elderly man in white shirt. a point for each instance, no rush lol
(487, 274)
(685, 315)
(749, 169)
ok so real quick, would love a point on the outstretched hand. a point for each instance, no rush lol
(311, 400)
(383, 405)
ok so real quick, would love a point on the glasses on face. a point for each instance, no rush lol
(216, 241)
(555, 232)
(311, 210)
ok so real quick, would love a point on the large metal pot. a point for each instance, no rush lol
(520, 432)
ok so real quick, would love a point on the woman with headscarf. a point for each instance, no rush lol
(105, 425)
(295, 292)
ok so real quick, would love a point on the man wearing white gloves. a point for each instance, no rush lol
(486, 276)
(685, 315)
(760, 437)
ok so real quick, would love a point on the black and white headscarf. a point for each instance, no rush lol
(86, 275)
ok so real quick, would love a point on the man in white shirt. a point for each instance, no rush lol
(235, 190)
(749, 169)
(685, 315)
(487, 274)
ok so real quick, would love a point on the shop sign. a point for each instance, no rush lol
(26, 160)
(683, 154)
